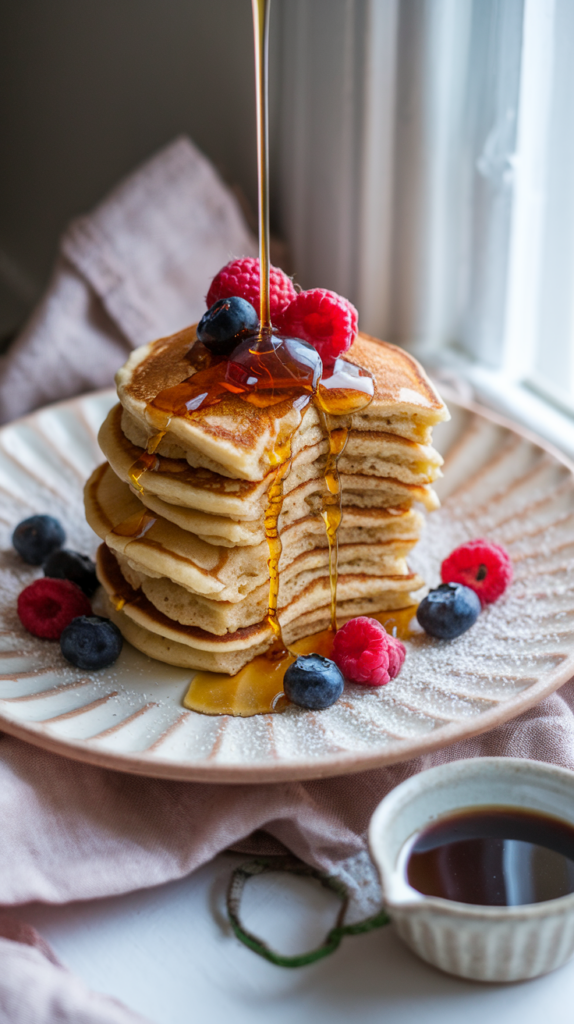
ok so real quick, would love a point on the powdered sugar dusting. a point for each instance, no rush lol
(496, 485)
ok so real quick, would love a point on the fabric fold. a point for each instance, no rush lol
(36, 987)
(136, 268)
(73, 831)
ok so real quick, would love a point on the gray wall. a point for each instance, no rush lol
(88, 88)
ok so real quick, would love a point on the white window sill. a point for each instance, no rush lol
(507, 397)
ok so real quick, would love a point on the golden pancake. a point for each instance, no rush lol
(176, 483)
(159, 548)
(235, 437)
(183, 506)
(221, 617)
(367, 525)
(308, 613)
(371, 451)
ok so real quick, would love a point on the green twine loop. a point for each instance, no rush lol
(260, 866)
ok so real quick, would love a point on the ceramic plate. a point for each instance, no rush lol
(499, 482)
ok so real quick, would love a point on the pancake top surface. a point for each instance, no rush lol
(399, 378)
(159, 365)
(238, 435)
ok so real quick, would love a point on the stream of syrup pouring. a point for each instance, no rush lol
(266, 370)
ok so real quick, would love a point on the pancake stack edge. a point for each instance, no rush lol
(183, 563)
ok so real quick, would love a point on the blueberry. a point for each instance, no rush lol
(219, 327)
(91, 642)
(35, 538)
(70, 565)
(449, 610)
(313, 682)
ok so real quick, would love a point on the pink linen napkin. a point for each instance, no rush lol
(138, 267)
(72, 831)
(35, 988)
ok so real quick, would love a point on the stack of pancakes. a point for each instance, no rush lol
(184, 563)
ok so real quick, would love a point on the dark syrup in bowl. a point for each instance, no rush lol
(498, 857)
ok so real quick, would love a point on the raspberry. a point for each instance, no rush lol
(325, 319)
(366, 654)
(483, 566)
(241, 278)
(48, 605)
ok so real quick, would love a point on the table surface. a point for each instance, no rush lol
(168, 953)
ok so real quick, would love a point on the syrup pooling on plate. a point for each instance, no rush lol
(258, 688)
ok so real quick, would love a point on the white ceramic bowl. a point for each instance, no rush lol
(499, 944)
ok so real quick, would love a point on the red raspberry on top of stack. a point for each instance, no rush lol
(324, 319)
(241, 278)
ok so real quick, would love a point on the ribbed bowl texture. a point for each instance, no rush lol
(493, 944)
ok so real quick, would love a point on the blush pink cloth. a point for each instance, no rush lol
(73, 831)
(135, 268)
(35, 988)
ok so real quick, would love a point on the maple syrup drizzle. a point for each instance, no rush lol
(265, 370)
(272, 535)
(331, 510)
(337, 394)
(159, 413)
(146, 462)
(135, 526)
(260, 10)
